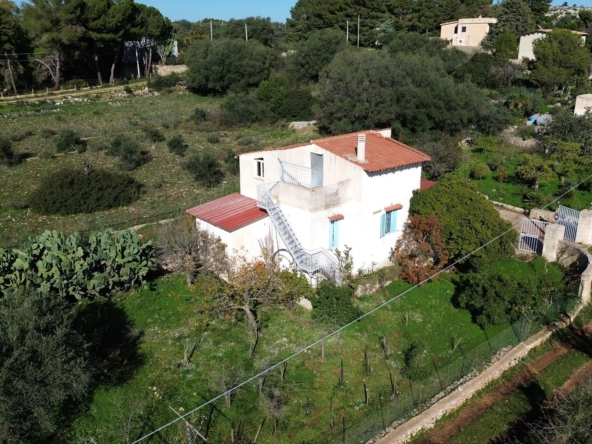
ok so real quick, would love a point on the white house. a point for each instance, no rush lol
(467, 31)
(526, 47)
(353, 189)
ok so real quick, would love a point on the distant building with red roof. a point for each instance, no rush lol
(350, 190)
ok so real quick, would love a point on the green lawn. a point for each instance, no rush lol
(168, 189)
(168, 315)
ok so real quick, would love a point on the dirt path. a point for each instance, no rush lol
(579, 377)
(70, 93)
(447, 430)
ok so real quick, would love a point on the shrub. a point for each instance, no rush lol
(129, 151)
(199, 115)
(214, 138)
(283, 100)
(496, 119)
(204, 168)
(416, 366)
(159, 83)
(128, 90)
(72, 191)
(69, 140)
(333, 305)
(177, 145)
(231, 162)
(533, 198)
(154, 135)
(7, 156)
(21, 136)
(480, 171)
(495, 162)
(527, 132)
(502, 175)
(242, 110)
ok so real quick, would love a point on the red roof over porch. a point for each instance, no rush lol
(229, 212)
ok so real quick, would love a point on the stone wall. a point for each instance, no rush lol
(169, 69)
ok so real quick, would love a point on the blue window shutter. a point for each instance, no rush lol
(393, 215)
(383, 225)
(333, 234)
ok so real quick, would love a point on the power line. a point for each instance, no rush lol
(333, 333)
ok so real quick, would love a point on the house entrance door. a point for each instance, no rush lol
(316, 167)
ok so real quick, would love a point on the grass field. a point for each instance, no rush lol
(168, 189)
(168, 315)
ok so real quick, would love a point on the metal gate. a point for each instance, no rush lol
(532, 235)
(569, 219)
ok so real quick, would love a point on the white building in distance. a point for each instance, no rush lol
(526, 47)
(467, 31)
(349, 190)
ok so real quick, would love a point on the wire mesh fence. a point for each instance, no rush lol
(394, 405)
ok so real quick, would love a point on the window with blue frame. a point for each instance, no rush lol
(333, 234)
(388, 223)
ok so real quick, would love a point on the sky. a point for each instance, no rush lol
(194, 10)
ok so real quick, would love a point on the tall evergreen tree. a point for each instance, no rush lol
(514, 16)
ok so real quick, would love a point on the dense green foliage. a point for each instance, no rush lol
(77, 267)
(69, 140)
(158, 83)
(205, 168)
(514, 16)
(561, 57)
(411, 93)
(7, 156)
(130, 153)
(228, 65)
(283, 100)
(315, 53)
(43, 366)
(511, 289)
(469, 220)
(74, 191)
(333, 306)
(177, 145)
(506, 45)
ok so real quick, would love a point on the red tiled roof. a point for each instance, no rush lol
(229, 212)
(394, 207)
(425, 184)
(382, 153)
(336, 217)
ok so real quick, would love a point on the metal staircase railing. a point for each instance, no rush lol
(311, 262)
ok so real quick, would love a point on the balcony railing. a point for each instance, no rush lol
(299, 175)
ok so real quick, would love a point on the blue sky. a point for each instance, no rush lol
(194, 10)
(278, 10)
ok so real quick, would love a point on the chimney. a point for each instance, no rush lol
(361, 151)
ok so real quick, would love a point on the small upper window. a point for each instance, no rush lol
(464, 29)
(456, 29)
(388, 221)
(259, 167)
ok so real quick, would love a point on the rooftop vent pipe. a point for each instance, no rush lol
(361, 151)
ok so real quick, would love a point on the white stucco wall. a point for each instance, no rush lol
(363, 197)
(583, 104)
(476, 30)
(245, 240)
(526, 47)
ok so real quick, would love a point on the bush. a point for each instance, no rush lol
(495, 162)
(496, 119)
(128, 90)
(154, 134)
(533, 198)
(204, 168)
(416, 365)
(21, 136)
(527, 132)
(231, 162)
(333, 305)
(242, 110)
(72, 191)
(285, 101)
(214, 138)
(480, 171)
(158, 83)
(7, 156)
(69, 140)
(177, 145)
(129, 151)
(199, 115)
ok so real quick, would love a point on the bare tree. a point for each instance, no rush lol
(225, 378)
(274, 405)
(250, 285)
(189, 249)
(127, 415)
(50, 66)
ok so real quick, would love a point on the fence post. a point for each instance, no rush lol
(382, 411)
(437, 374)
(344, 433)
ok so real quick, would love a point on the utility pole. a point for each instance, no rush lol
(10, 71)
(246, 33)
(347, 31)
(358, 30)
(211, 31)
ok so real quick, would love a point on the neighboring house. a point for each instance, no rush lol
(583, 104)
(467, 31)
(350, 190)
(526, 48)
